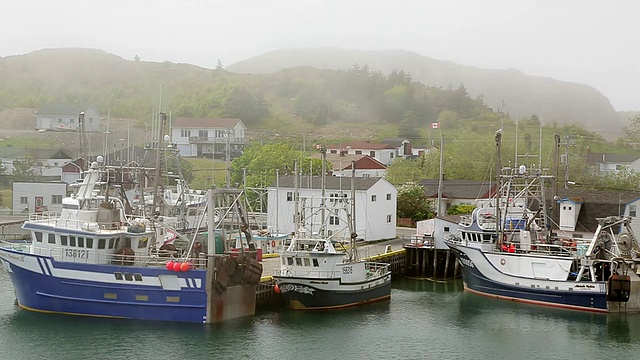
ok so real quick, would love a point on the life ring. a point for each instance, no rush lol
(273, 243)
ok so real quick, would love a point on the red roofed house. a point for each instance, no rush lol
(208, 137)
(384, 153)
(366, 166)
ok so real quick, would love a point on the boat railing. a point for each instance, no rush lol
(322, 274)
(86, 256)
(374, 269)
(427, 241)
(44, 216)
(75, 224)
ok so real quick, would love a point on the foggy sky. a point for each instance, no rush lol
(592, 42)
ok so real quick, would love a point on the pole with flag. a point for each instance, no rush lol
(434, 125)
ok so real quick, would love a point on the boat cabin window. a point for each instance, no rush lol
(128, 276)
(142, 242)
(102, 243)
(307, 262)
(80, 242)
(298, 261)
(63, 240)
(137, 277)
(290, 261)
(89, 243)
(192, 212)
(127, 242)
(118, 275)
(52, 238)
(38, 236)
(72, 241)
(315, 263)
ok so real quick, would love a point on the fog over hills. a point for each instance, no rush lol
(523, 95)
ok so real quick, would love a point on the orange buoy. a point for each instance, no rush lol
(276, 289)
(176, 266)
(170, 265)
(184, 266)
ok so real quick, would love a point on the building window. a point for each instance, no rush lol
(632, 210)
(334, 220)
(374, 198)
(372, 154)
(619, 167)
(446, 229)
(358, 152)
(56, 199)
(289, 195)
(388, 196)
(71, 121)
(24, 200)
(388, 218)
(59, 120)
(333, 151)
(391, 155)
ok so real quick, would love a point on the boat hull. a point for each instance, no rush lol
(45, 285)
(302, 293)
(481, 277)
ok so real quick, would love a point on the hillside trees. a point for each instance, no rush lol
(260, 162)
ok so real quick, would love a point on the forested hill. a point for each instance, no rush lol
(549, 99)
(279, 101)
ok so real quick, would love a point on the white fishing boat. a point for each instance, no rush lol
(505, 253)
(313, 275)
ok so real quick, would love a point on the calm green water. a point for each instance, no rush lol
(423, 320)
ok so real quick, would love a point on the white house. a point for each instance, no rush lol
(45, 162)
(365, 165)
(375, 212)
(31, 197)
(208, 137)
(384, 153)
(66, 117)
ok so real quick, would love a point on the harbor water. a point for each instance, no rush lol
(423, 320)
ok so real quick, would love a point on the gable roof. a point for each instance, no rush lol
(360, 145)
(343, 162)
(396, 142)
(62, 109)
(607, 158)
(595, 204)
(331, 182)
(458, 189)
(204, 123)
(17, 153)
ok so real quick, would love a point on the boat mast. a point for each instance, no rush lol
(498, 185)
(156, 180)
(323, 152)
(352, 223)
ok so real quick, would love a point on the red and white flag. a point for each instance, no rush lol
(435, 125)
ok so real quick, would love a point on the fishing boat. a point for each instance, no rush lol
(314, 275)
(505, 252)
(91, 259)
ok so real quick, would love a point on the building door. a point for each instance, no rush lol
(39, 204)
